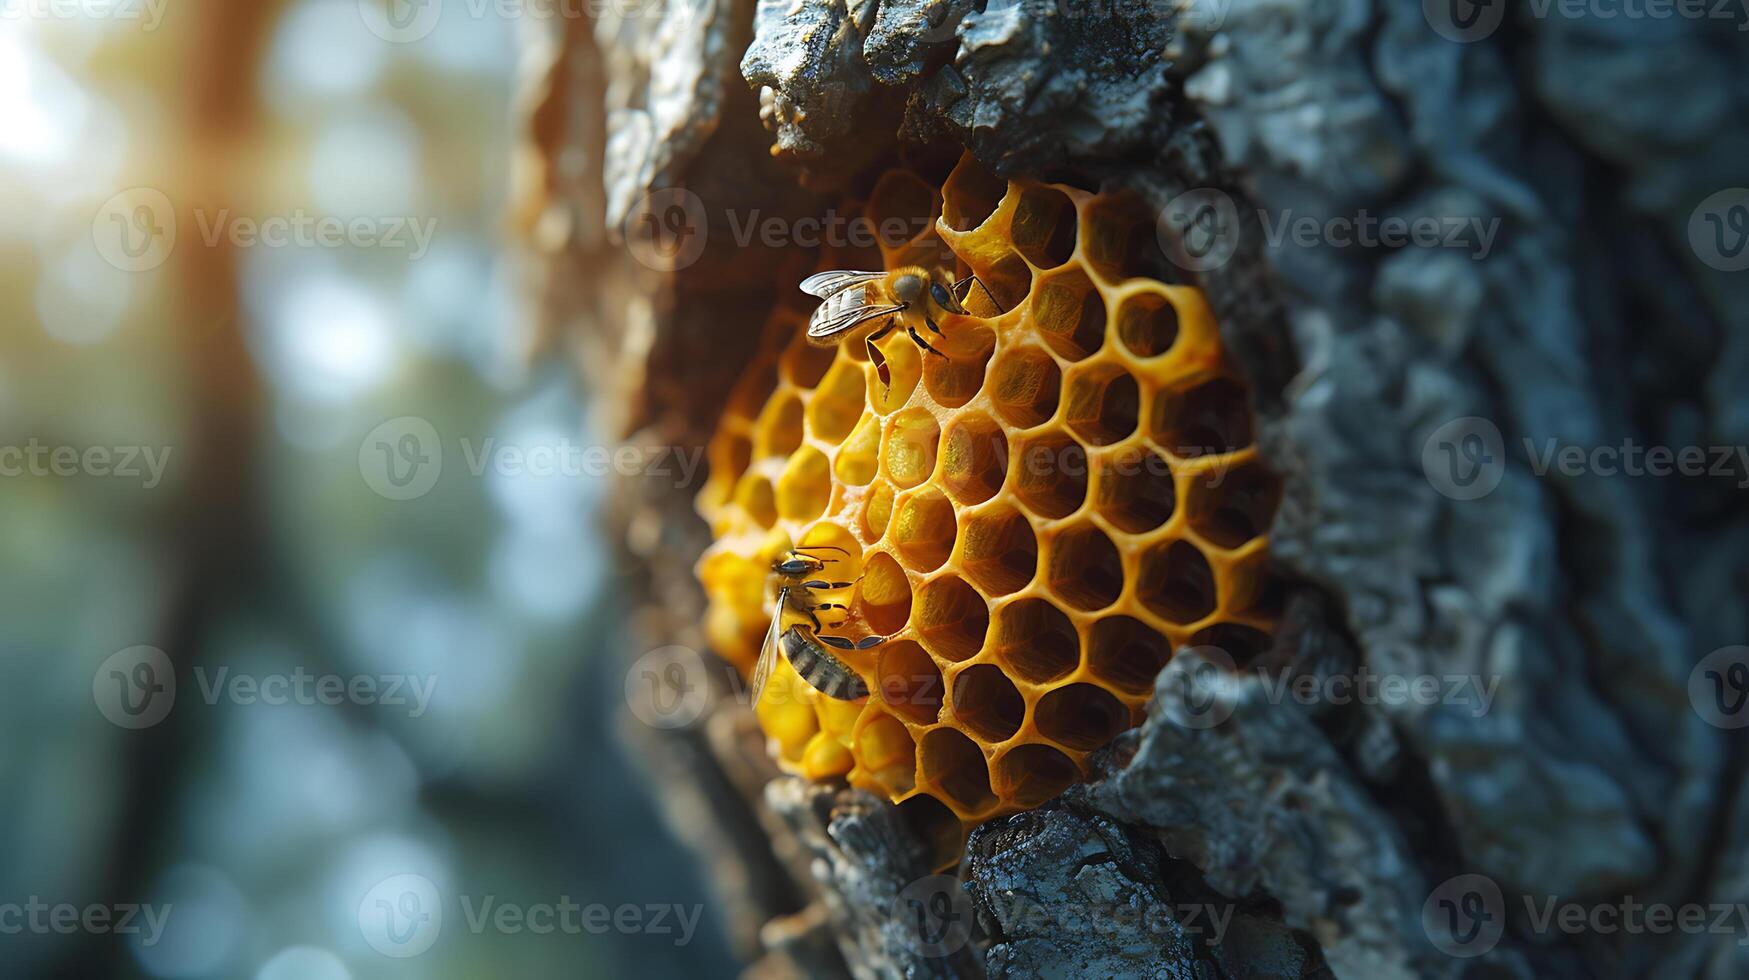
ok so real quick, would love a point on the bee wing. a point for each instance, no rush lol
(767, 656)
(845, 309)
(824, 284)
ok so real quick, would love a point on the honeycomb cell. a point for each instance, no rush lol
(1229, 509)
(986, 702)
(883, 602)
(1031, 774)
(1125, 653)
(1210, 418)
(1084, 568)
(859, 456)
(1051, 479)
(1102, 404)
(951, 618)
(1080, 716)
(1026, 386)
(971, 196)
(837, 403)
(1147, 324)
(1010, 533)
(757, 499)
(888, 753)
(877, 510)
(909, 682)
(974, 458)
(913, 438)
(923, 529)
(954, 762)
(1135, 491)
(805, 486)
(1044, 227)
(779, 428)
(1035, 641)
(1069, 314)
(1000, 554)
(1175, 582)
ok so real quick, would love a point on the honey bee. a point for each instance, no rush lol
(906, 296)
(807, 649)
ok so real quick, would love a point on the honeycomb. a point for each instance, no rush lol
(1036, 521)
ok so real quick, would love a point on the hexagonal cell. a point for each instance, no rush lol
(904, 366)
(755, 496)
(1069, 313)
(1103, 402)
(1007, 281)
(910, 683)
(1033, 774)
(931, 821)
(952, 618)
(804, 364)
(1044, 227)
(901, 208)
(912, 440)
(1176, 582)
(1236, 509)
(877, 511)
(1134, 490)
(956, 378)
(1126, 654)
(1080, 716)
(858, 458)
(730, 455)
(1084, 568)
(836, 405)
(1119, 239)
(883, 597)
(1025, 386)
(1001, 552)
(778, 430)
(955, 763)
(970, 196)
(888, 753)
(923, 529)
(1035, 640)
(1242, 643)
(753, 390)
(1051, 476)
(974, 458)
(1213, 417)
(1147, 324)
(805, 487)
(987, 703)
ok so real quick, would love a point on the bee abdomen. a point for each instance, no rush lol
(823, 671)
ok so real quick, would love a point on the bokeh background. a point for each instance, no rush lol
(261, 374)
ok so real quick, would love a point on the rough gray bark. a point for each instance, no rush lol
(1586, 318)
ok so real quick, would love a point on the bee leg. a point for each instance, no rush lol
(870, 641)
(836, 641)
(931, 321)
(823, 585)
(879, 361)
(923, 343)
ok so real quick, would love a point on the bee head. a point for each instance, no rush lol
(944, 298)
(908, 288)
